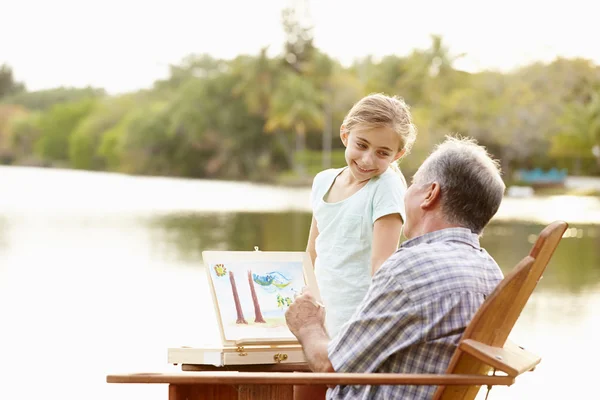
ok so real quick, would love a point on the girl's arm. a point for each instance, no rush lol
(312, 237)
(386, 236)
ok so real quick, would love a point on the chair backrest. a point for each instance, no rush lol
(497, 316)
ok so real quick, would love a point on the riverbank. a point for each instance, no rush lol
(29, 190)
(567, 191)
(574, 185)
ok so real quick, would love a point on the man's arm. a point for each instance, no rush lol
(306, 320)
(314, 343)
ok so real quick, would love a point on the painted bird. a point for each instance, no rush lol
(272, 280)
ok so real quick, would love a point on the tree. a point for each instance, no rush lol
(298, 48)
(194, 66)
(580, 130)
(56, 126)
(255, 80)
(296, 106)
(258, 317)
(218, 134)
(320, 72)
(236, 300)
(342, 91)
(86, 139)
(43, 100)
(8, 115)
(145, 146)
(25, 133)
(8, 85)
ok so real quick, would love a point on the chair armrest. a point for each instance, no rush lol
(511, 359)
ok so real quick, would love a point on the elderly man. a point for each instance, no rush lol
(425, 294)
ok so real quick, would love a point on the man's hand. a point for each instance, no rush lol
(305, 314)
(306, 319)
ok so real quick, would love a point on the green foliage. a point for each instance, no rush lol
(56, 126)
(85, 141)
(579, 128)
(8, 85)
(25, 133)
(264, 118)
(8, 115)
(43, 100)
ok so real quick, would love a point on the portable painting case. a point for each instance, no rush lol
(251, 291)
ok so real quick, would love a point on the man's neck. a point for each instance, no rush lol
(431, 223)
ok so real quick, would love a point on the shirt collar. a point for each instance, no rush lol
(462, 235)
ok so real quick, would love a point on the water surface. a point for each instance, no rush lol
(101, 273)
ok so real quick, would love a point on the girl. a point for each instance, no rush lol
(358, 210)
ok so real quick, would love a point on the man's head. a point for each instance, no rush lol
(458, 185)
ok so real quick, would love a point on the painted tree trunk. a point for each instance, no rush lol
(258, 318)
(236, 299)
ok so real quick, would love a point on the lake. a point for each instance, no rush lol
(100, 273)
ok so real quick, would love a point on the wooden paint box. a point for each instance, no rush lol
(250, 292)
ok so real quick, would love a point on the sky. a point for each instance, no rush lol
(126, 45)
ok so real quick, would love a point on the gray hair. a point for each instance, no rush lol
(470, 182)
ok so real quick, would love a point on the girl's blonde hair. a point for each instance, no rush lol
(378, 110)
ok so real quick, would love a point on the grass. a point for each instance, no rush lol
(270, 322)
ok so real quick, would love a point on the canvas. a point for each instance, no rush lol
(252, 290)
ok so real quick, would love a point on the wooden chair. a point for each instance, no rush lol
(483, 347)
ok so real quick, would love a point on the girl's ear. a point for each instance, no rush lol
(399, 154)
(344, 135)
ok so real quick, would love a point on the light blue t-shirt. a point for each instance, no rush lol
(343, 247)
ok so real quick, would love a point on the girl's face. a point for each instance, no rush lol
(370, 152)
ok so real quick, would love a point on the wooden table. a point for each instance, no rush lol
(234, 385)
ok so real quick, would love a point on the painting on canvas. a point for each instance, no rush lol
(252, 295)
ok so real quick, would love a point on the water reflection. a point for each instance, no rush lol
(107, 293)
(575, 266)
(189, 234)
(556, 322)
(92, 282)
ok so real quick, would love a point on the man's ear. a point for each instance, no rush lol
(344, 135)
(399, 154)
(432, 196)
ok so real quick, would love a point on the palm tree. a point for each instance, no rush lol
(295, 106)
(258, 317)
(236, 299)
(256, 76)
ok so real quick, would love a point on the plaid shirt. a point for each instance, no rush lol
(419, 304)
